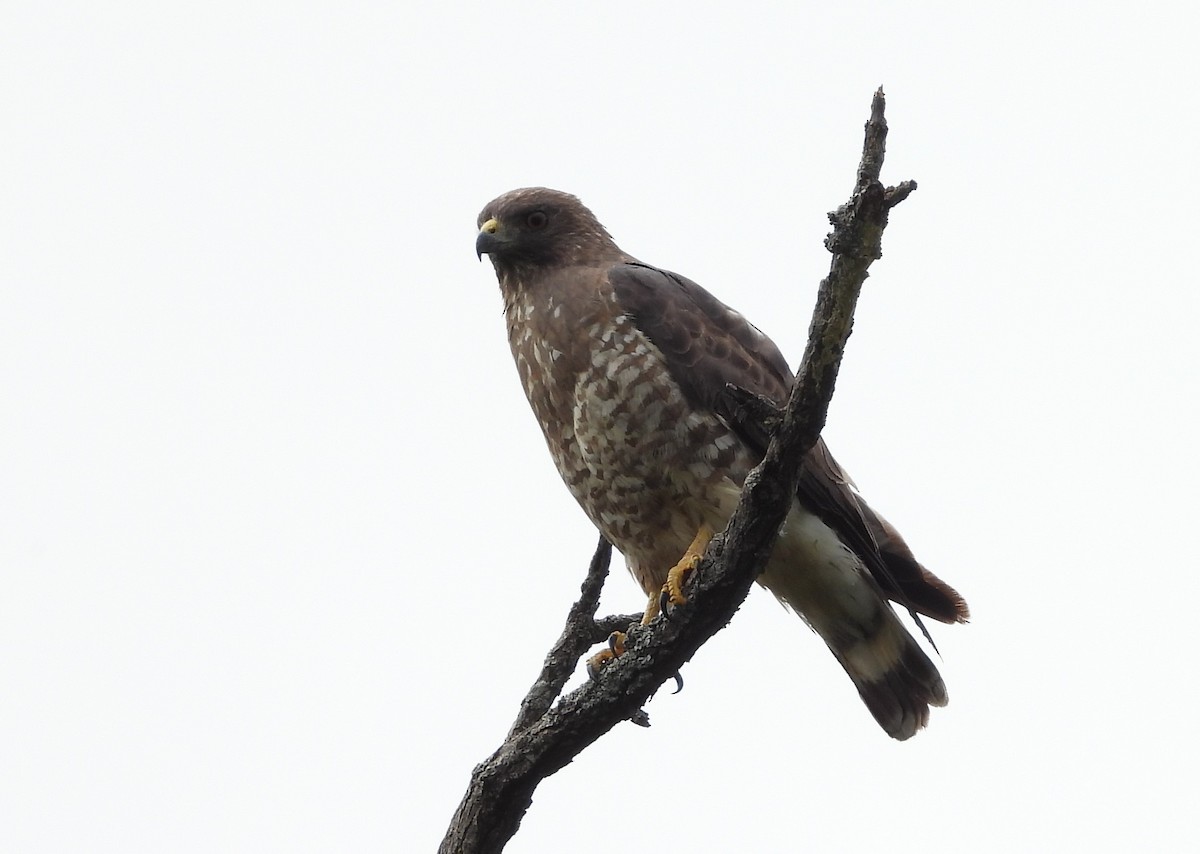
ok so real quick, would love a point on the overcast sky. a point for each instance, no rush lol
(281, 546)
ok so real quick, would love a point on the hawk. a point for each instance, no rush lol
(625, 366)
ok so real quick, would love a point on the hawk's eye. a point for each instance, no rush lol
(537, 219)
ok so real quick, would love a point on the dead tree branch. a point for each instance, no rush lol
(545, 737)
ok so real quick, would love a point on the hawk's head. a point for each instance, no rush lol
(537, 228)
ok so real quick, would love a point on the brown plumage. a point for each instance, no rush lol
(625, 366)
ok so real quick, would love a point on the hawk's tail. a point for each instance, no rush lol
(816, 576)
(893, 675)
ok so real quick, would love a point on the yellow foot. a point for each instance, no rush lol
(616, 646)
(672, 592)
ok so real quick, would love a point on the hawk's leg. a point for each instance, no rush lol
(616, 646)
(671, 594)
(616, 641)
(672, 591)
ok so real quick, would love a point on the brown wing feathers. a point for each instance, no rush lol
(696, 331)
(920, 589)
(707, 345)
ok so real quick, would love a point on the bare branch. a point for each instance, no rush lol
(582, 630)
(578, 634)
(544, 739)
(605, 626)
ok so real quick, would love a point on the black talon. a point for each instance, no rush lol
(678, 683)
(664, 602)
(616, 643)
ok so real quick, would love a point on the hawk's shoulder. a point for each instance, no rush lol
(706, 344)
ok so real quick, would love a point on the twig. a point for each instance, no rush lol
(582, 630)
(577, 635)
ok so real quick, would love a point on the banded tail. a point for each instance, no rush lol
(816, 575)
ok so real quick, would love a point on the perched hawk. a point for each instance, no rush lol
(625, 366)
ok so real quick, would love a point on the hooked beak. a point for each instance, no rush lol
(487, 241)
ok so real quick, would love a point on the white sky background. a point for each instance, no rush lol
(281, 547)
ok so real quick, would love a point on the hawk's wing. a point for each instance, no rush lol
(707, 345)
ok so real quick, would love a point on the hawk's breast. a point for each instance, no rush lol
(644, 464)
